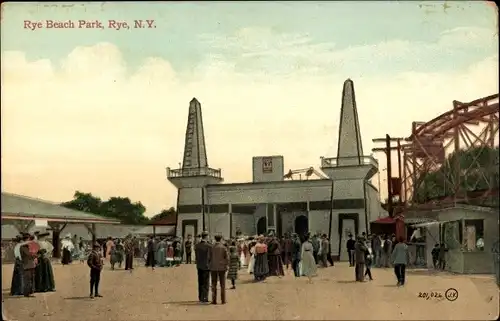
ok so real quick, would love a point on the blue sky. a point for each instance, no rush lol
(181, 25)
(106, 110)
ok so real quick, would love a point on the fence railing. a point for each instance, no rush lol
(189, 172)
(348, 161)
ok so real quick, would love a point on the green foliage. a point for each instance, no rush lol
(164, 213)
(120, 208)
(477, 168)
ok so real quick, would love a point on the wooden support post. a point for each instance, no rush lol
(94, 234)
(56, 238)
(92, 230)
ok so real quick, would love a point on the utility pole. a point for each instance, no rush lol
(331, 212)
(388, 152)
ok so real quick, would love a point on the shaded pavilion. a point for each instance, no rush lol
(23, 211)
(164, 226)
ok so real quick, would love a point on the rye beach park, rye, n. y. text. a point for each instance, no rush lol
(89, 24)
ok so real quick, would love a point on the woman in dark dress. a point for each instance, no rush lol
(234, 259)
(150, 256)
(16, 287)
(273, 254)
(261, 267)
(44, 275)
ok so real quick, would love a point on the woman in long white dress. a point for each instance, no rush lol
(67, 247)
(308, 264)
(251, 264)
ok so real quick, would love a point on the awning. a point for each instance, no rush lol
(385, 220)
(418, 220)
(430, 223)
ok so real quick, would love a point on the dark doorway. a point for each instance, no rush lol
(301, 225)
(344, 234)
(262, 226)
(190, 223)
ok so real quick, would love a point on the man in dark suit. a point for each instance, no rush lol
(202, 252)
(219, 262)
(360, 251)
(350, 249)
(29, 265)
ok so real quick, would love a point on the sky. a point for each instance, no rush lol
(105, 110)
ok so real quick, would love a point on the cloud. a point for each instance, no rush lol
(92, 123)
(281, 53)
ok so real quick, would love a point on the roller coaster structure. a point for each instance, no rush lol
(431, 146)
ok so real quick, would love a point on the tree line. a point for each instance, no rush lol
(120, 208)
(478, 171)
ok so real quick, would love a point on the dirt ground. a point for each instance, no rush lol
(170, 294)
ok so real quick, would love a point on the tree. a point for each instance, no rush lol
(85, 202)
(123, 209)
(476, 167)
(164, 213)
(120, 208)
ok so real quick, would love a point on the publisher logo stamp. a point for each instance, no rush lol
(451, 294)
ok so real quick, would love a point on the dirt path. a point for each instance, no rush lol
(168, 294)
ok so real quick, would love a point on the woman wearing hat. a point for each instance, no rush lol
(308, 263)
(16, 287)
(67, 248)
(44, 275)
(261, 267)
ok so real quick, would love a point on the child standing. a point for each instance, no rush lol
(234, 261)
(95, 263)
(84, 252)
(170, 254)
(435, 256)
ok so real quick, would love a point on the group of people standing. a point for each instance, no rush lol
(263, 256)
(385, 251)
(167, 252)
(117, 251)
(32, 269)
(269, 256)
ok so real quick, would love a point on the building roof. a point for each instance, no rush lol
(148, 230)
(17, 207)
(168, 220)
(9, 231)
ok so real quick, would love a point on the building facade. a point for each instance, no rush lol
(343, 202)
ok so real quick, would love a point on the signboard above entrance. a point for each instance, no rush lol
(267, 165)
(267, 168)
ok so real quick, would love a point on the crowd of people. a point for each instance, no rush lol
(261, 256)
(216, 259)
(33, 271)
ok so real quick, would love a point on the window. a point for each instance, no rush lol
(416, 235)
(451, 234)
(474, 235)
